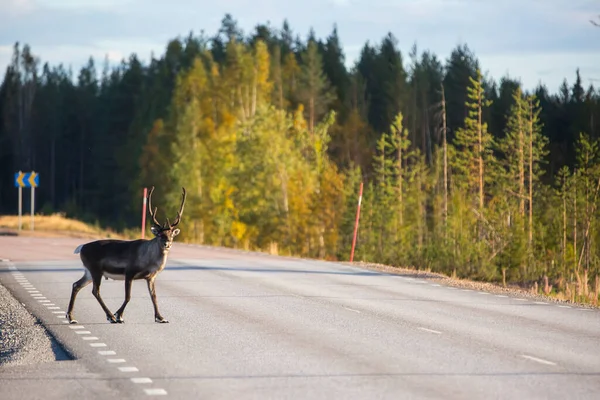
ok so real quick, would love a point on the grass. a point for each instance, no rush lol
(56, 225)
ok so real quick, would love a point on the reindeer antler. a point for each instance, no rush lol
(152, 214)
(178, 218)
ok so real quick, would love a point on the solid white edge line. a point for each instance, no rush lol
(539, 360)
(430, 331)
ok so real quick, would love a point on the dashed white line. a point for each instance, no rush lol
(60, 316)
(539, 302)
(54, 308)
(521, 299)
(107, 352)
(501, 295)
(128, 369)
(33, 291)
(435, 284)
(564, 306)
(43, 300)
(115, 360)
(352, 309)
(89, 338)
(141, 380)
(96, 344)
(56, 312)
(74, 326)
(155, 392)
(466, 290)
(430, 331)
(49, 304)
(83, 332)
(539, 360)
(482, 293)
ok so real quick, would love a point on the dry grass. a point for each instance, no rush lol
(55, 225)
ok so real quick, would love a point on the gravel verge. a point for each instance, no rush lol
(465, 284)
(23, 340)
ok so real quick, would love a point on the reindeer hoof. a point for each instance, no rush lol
(111, 319)
(161, 320)
(71, 321)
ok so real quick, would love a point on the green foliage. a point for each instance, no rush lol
(272, 136)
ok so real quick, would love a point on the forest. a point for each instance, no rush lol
(271, 135)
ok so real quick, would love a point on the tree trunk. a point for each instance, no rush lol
(445, 145)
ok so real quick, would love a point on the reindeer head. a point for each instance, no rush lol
(166, 232)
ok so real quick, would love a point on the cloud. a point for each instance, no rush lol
(16, 8)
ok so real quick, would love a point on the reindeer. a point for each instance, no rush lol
(127, 260)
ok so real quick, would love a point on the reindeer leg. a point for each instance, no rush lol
(97, 280)
(157, 317)
(119, 313)
(77, 286)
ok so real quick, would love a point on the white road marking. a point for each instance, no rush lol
(482, 293)
(521, 299)
(33, 291)
(420, 282)
(53, 308)
(57, 312)
(128, 369)
(450, 287)
(95, 344)
(564, 306)
(115, 360)
(351, 309)
(539, 360)
(435, 284)
(65, 322)
(585, 309)
(83, 332)
(49, 304)
(107, 352)
(155, 392)
(501, 295)
(141, 380)
(539, 302)
(89, 338)
(44, 301)
(430, 331)
(74, 326)
(60, 316)
(466, 290)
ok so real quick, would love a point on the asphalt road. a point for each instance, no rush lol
(249, 326)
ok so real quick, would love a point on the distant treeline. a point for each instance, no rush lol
(271, 135)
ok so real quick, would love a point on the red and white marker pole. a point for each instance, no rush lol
(144, 212)
(356, 223)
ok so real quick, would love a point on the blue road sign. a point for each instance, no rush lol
(27, 179)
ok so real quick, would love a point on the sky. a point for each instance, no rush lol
(530, 40)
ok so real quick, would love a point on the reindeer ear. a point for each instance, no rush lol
(176, 231)
(155, 230)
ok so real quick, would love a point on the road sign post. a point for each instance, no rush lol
(30, 180)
